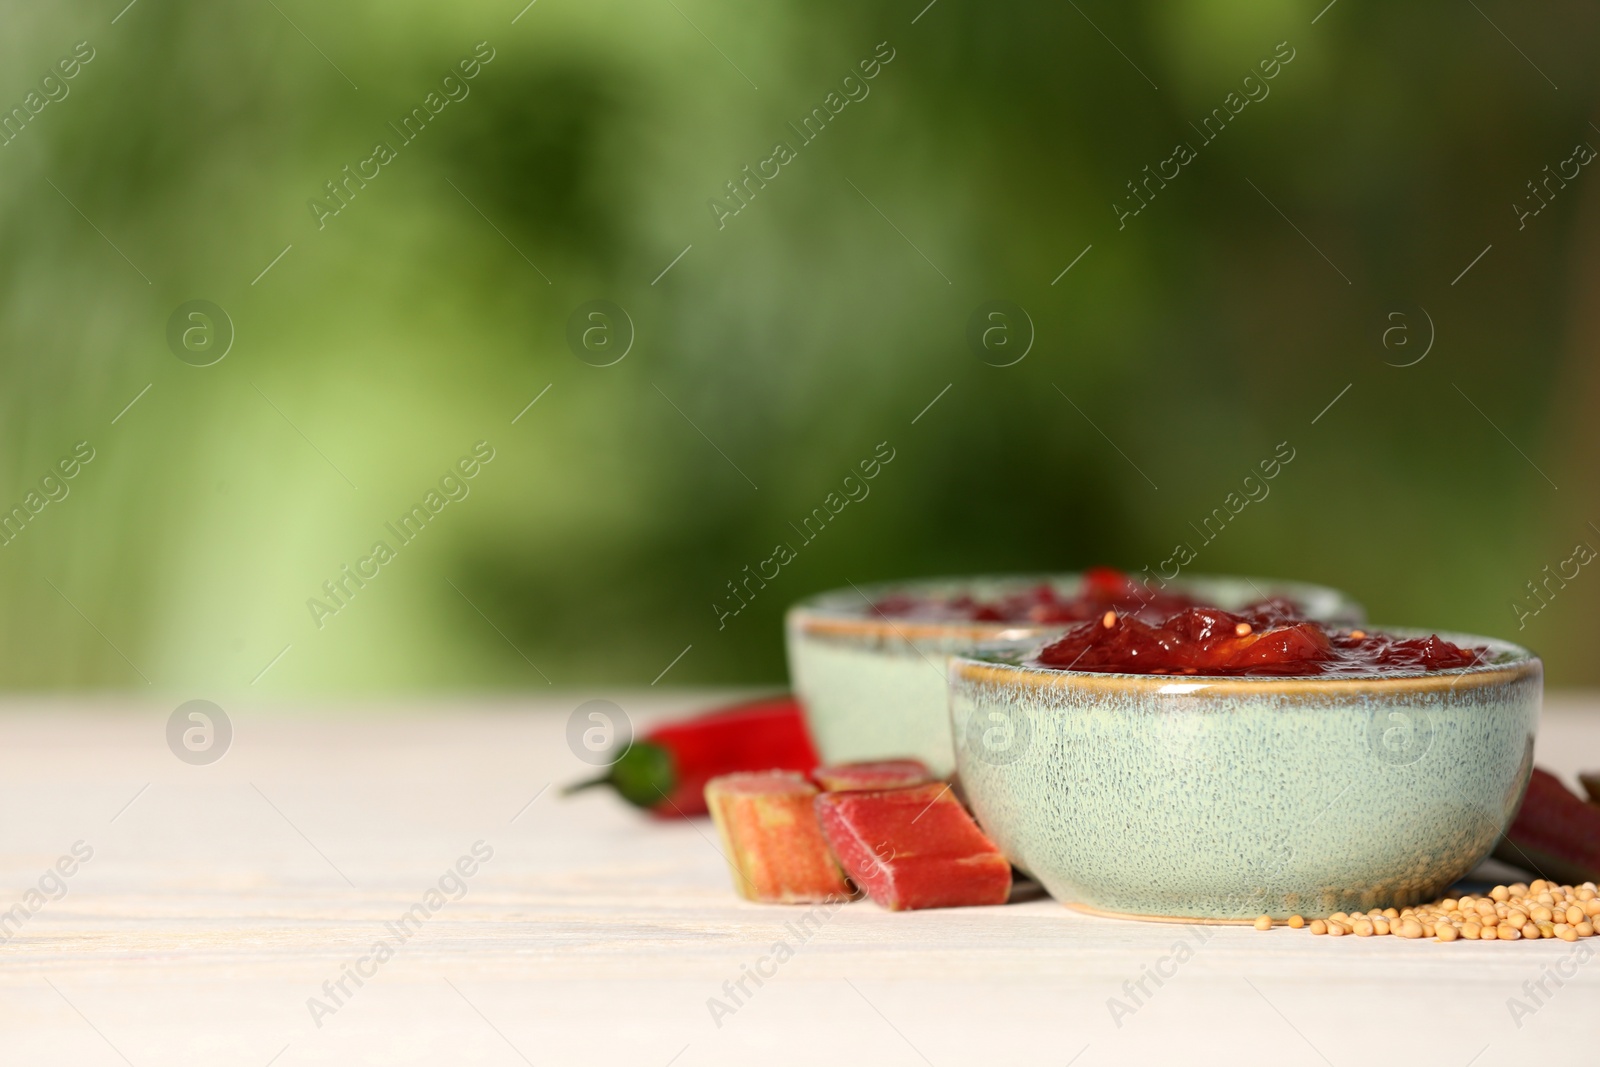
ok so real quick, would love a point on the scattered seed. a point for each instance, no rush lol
(1514, 912)
(1264, 922)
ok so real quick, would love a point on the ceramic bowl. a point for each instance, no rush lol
(874, 687)
(1221, 799)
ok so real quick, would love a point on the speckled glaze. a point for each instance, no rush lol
(874, 687)
(1220, 799)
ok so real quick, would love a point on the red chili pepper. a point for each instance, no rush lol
(666, 770)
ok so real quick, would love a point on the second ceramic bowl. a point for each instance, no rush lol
(1227, 798)
(874, 686)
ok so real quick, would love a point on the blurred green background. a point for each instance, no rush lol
(784, 346)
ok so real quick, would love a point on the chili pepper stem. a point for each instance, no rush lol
(588, 783)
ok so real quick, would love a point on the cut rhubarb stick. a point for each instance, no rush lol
(771, 838)
(883, 774)
(914, 848)
(1555, 834)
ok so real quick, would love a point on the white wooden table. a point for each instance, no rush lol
(224, 896)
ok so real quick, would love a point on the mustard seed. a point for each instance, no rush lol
(1508, 913)
(1263, 922)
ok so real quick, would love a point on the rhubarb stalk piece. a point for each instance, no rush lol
(882, 774)
(1556, 834)
(914, 848)
(770, 835)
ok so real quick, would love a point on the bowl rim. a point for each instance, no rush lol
(825, 613)
(980, 665)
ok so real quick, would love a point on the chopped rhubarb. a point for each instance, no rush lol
(882, 774)
(914, 848)
(1556, 834)
(771, 838)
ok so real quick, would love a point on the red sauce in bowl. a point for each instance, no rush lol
(1270, 638)
(1104, 589)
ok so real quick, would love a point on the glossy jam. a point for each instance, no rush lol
(1269, 638)
(1103, 590)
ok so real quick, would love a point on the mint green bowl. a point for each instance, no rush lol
(1221, 799)
(874, 687)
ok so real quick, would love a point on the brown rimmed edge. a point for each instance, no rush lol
(1299, 685)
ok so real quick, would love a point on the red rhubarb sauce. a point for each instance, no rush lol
(1103, 589)
(1270, 638)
